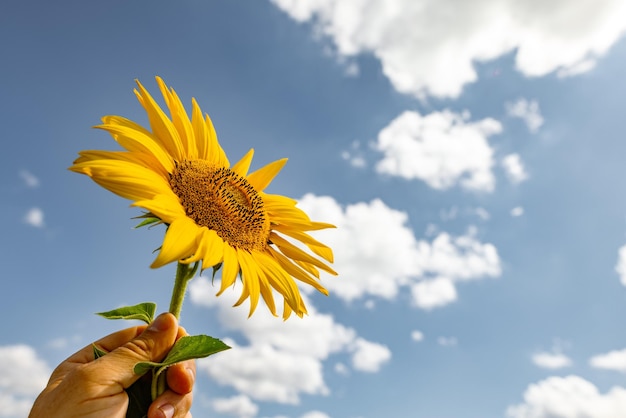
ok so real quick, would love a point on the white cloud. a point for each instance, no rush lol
(417, 335)
(284, 358)
(514, 168)
(551, 360)
(29, 179)
(528, 111)
(621, 264)
(34, 217)
(517, 211)
(369, 356)
(569, 397)
(23, 375)
(442, 149)
(240, 406)
(613, 360)
(429, 294)
(431, 48)
(266, 373)
(377, 253)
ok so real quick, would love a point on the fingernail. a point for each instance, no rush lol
(167, 410)
(160, 323)
(192, 374)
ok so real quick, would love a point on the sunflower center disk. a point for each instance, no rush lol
(223, 201)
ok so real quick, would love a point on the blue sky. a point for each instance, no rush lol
(471, 155)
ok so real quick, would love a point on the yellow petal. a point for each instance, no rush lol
(296, 253)
(166, 207)
(139, 158)
(230, 267)
(262, 177)
(278, 278)
(124, 178)
(134, 137)
(242, 166)
(250, 276)
(317, 247)
(213, 250)
(296, 271)
(179, 242)
(179, 119)
(162, 126)
(207, 145)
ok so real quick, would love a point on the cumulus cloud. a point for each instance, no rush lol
(613, 360)
(528, 111)
(240, 406)
(431, 48)
(34, 217)
(551, 360)
(266, 373)
(377, 254)
(369, 356)
(620, 268)
(429, 294)
(29, 179)
(569, 397)
(23, 375)
(283, 359)
(442, 149)
(514, 168)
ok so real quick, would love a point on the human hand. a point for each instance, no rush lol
(82, 387)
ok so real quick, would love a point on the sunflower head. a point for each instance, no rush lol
(217, 214)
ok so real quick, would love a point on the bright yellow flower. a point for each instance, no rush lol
(217, 214)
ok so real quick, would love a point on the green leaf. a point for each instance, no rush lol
(186, 348)
(143, 311)
(97, 352)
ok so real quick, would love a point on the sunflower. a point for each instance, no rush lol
(216, 214)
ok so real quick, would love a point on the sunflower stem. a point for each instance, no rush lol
(183, 275)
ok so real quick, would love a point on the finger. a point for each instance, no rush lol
(181, 377)
(108, 343)
(151, 345)
(171, 405)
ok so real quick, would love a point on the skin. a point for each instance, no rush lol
(87, 388)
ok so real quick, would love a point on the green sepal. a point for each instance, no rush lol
(186, 348)
(216, 268)
(97, 352)
(143, 311)
(148, 219)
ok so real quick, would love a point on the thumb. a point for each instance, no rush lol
(151, 345)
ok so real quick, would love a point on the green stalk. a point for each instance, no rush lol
(184, 273)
